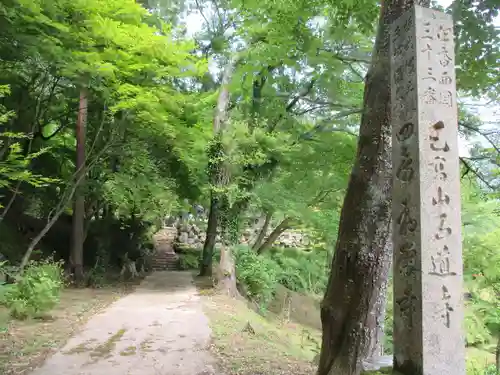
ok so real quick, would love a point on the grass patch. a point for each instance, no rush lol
(145, 346)
(103, 350)
(26, 344)
(247, 343)
(130, 350)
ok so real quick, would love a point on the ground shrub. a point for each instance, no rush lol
(189, 259)
(257, 274)
(36, 292)
(302, 271)
(476, 367)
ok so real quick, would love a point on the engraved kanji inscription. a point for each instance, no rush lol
(407, 258)
(403, 46)
(427, 31)
(445, 79)
(441, 198)
(427, 49)
(408, 24)
(430, 75)
(396, 33)
(447, 307)
(406, 223)
(399, 75)
(434, 138)
(405, 171)
(411, 67)
(405, 107)
(444, 57)
(407, 305)
(446, 98)
(439, 166)
(443, 230)
(441, 263)
(405, 132)
(444, 33)
(430, 96)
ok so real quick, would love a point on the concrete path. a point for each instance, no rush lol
(159, 329)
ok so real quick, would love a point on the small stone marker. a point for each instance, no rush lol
(428, 337)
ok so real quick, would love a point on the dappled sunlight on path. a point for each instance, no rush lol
(159, 329)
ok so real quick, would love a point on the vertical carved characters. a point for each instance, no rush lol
(440, 260)
(426, 229)
(407, 305)
(404, 106)
(438, 56)
(407, 259)
(441, 263)
(407, 223)
(447, 308)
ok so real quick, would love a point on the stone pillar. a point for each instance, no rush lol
(428, 336)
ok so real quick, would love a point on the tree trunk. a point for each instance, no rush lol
(361, 262)
(498, 355)
(211, 237)
(378, 311)
(226, 273)
(76, 255)
(58, 211)
(217, 170)
(263, 231)
(283, 226)
(11, 201)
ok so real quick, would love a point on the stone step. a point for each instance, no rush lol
(173, 260)
(166, 256)
(169, 267)
(165, 260)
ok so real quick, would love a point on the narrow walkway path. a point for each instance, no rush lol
(160, 329)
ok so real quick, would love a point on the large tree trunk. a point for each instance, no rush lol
(498, 354)
(210, 238)
(218, 172)
(360, 267)
(76, 255)
(273, 236)
(226, 277)
(263, 230)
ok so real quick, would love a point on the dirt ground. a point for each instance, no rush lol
(159, 329)
(167, 326)
(248, 343)
(26, 344)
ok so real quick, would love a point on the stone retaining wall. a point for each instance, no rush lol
(192, 234)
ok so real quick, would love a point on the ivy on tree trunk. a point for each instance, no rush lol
(218, 172)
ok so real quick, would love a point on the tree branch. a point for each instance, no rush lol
(468, 168)
(483, 134)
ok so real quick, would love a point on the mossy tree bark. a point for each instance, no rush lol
(217, 170)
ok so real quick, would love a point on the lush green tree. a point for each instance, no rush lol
(307, 187)
(131, 72)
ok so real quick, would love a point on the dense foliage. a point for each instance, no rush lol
(286, 142)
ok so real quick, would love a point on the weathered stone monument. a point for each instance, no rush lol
(428, 316)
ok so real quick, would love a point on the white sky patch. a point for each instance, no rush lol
(487, 113)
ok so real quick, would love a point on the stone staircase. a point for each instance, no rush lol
(165, 257)
(163, 261)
